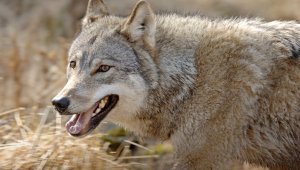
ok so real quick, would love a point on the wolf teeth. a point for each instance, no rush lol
(102, 103)
(98, 110)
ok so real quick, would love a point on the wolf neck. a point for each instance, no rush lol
(176, 80)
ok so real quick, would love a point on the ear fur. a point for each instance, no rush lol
(140, 25)
(96, 9)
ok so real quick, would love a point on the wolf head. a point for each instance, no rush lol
(111, 67)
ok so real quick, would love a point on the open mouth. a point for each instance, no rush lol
(83, 123)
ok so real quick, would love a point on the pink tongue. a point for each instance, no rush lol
(79, 123)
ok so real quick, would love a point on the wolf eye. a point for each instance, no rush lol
(103, 68)
(73, 64)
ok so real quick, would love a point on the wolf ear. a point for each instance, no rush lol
(96, 9)
(140, 26)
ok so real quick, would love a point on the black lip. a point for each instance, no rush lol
(95, 121)
(63, 112)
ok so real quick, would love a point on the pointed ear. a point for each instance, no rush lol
(141, 26)
(96, 9)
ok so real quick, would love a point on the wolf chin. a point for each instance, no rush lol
(219, 90)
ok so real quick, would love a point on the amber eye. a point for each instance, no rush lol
(103, 68)
(73, 64)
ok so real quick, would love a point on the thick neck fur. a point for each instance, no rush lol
(176, 72)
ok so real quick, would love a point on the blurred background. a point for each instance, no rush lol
(35, 36)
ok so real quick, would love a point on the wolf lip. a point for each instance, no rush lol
(83, 123)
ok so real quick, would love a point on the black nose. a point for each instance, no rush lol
(61, 104)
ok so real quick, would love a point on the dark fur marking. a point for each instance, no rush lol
(295, 48)
(92, 40)
(82, 61)
(295, 52)
(135, 53)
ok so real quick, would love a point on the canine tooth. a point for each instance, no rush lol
(101, 104)
(98, 110)
(94, 114)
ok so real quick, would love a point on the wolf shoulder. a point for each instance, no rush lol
(246, 40)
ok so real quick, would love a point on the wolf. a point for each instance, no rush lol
(218, 89)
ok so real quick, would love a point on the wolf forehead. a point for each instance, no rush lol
(100, 34)
(102, 40)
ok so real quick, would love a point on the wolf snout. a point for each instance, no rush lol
(61, 104)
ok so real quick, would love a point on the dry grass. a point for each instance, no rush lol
(28, 145)
(46, 146)
(35, 36)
